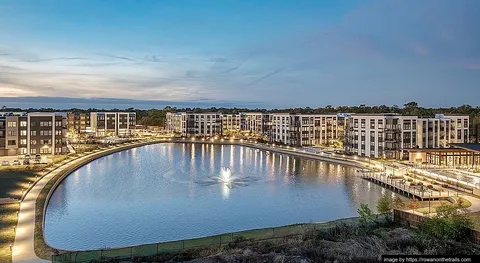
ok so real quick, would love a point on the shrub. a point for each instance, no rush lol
(367, 217)
(449, 224)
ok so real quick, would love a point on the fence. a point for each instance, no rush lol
(176, 246)
(406, 217)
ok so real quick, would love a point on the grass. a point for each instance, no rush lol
(213, 242)
(337, 242)
(8, 220)
(15, 178)
(435, 204)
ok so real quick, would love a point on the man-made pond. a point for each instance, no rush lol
(172, 191)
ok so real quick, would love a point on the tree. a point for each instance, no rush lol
(398, 203)
(384, 204)
(366, 214)
(413, 204)
(410, 105)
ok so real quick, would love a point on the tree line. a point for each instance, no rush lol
(156, 117)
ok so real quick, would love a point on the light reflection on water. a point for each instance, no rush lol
(151, 194)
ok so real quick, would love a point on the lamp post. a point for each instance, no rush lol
(429, 202)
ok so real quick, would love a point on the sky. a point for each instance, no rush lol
(245, 53)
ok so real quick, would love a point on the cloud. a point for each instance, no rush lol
(381, 52)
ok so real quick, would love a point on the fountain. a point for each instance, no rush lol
(226, 175)
(227, 179)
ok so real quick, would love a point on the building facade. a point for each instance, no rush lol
(194, 124)
(33, 133)
(233, 122)
(79, 122)
(391, 136)
(103, 124)
(303, 129)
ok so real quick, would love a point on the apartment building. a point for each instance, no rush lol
(303, 129)
(32, 133)
(392, 135)
(79, 122)
(256, 123)
(103, 124)
(440, 131)
(194, 124)
(174, 122)
(233, 122)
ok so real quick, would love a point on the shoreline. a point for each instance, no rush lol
(49, 182)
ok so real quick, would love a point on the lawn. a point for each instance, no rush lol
(435, 204)
(8, 220)
(15, 178)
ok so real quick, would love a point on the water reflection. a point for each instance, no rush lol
(112, 201)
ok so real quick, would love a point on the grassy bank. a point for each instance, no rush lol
(341, 242)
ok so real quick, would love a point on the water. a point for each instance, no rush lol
(158, 193)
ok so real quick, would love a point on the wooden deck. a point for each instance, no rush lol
(405, 188)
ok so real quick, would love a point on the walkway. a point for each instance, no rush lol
(23, 249)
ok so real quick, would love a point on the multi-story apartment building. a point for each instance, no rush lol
(256, 123)
(103, 124)
(233, 122)
(441, 130)
(79, 122)
(194, 124)
(32, 133)
(303, 129)
(174, 122)
(392, 135)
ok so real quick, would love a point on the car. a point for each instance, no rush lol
(16, 162)
(38, 156)
(27, 157)
(26, 161)
(5, 163)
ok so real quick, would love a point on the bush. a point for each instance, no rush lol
(367, 217)
(449, 224)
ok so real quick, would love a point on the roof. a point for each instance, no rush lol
(472, 147)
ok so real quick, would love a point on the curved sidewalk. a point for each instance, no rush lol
(23, 250)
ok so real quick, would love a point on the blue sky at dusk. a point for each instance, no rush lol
(242, 53)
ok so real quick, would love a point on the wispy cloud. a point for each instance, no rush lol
(381, 52)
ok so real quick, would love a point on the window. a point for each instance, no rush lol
(33, 123)
(12, 133)
(12, 142)
(58, 132)
(45, 124)
(45, 150)
(33, 142)
(23, 141)
(23, 124)
(23, 133)
(11, 124)
(33, 151)
(23, 150)
(58, 123)
(33, 133)
(46, 133)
